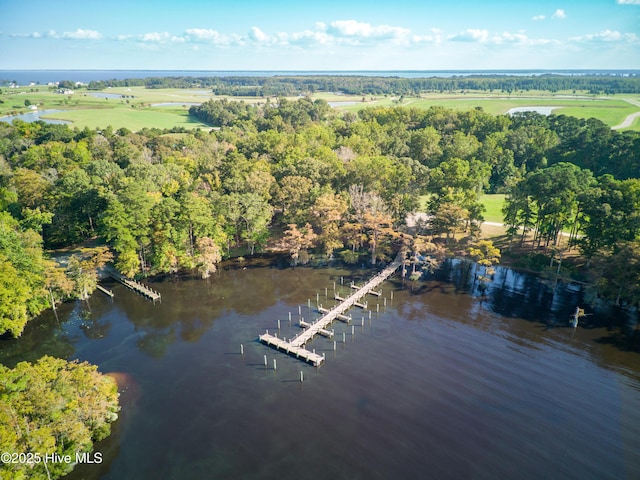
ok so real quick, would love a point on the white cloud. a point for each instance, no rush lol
(629, 2)
(507, 37)
(559, 14)
(81, 34)
(538, 18)
(309, 37)
(206, 35)
(258, 35)
(358, 31)
(471, 35)
(155, 37)
(607, 36)
(161, 37)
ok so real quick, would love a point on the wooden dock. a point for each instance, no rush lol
(104, 290)
(296, 346)
(135, 286)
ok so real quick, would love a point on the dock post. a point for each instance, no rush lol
(344, 338)
(301, 376)
(317, 298)
(275, 367)
(341, 280)
(369, 314)
(314, 351)
(334, 347)
(299, 310)
(242, 350)
(325, 292)
(324, 357)
(278, 324)
(334, 287)
(362, 322)
(377, 307)
(385, 301)
(391, 294)
(265, 360)
(353, 330)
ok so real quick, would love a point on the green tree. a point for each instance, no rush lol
(53, 407)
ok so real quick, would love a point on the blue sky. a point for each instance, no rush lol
(327, 35)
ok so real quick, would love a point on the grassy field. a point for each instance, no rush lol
(137, 110)
(611, 110)
(133, 119)
(493, 204)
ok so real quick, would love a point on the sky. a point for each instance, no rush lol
(326, 35)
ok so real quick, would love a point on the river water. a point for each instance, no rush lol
(446, 382)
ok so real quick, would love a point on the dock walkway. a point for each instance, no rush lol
(296, 346)
(135, 286)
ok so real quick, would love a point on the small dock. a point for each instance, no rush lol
(104, 290)
(135, 286)
(296, 346)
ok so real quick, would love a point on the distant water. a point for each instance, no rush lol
(538, 109)
(34, 117)
(25, 77)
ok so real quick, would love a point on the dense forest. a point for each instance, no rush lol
(282, 85)
(299, 177)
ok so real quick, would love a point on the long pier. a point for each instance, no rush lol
(296, 346)
(135, 286)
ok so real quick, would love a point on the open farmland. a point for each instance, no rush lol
(138, 107)
(611, 110)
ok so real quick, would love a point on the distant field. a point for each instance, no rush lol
(610, 110)
(89, 111)
(133, 119)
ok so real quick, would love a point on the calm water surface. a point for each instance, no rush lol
(35, 116)
(445, 383)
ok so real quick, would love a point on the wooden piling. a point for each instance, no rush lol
(296, 346)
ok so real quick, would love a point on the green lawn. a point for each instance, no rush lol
(493, 204)
(132, 118)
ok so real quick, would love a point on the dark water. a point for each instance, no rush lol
(444, 383)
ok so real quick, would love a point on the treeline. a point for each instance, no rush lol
(295, 176)
(271, 86)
